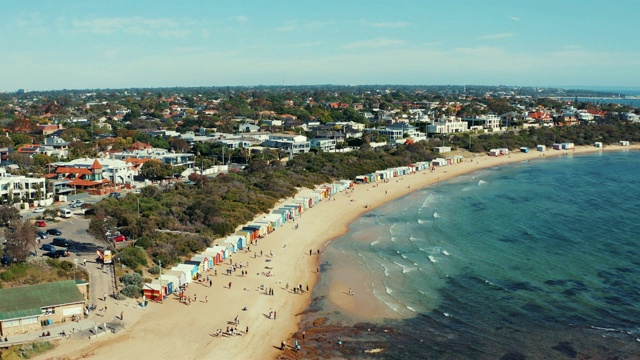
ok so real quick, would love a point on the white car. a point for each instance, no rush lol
(38, 210)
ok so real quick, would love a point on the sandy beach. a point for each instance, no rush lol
(174, 330)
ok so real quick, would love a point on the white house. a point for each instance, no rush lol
(22, 189)
(447, 125)
(323, 144)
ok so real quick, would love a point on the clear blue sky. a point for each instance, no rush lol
(66, 44)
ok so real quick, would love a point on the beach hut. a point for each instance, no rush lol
(255, 232)
(297, 208)
(186, 273)
(524, 149)
(305, 201)
(567, 146)
(623, 142)
(275, 219)
(246, 237)
(262, 228)
(557, 146)
(153, 292)
(287, 214)
(439, 162)
(459, 159)
(230, 244)
(541, 148)
(217, 253)
(267, 223)
(597, 144)
(361, 179)
(207, 262)
(198, 265)
(281, 215)
(191, 268)
(179, 275)
(172, 282)
(164, 285)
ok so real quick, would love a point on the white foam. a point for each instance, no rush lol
(445, 252)
(412, 309)
(432, 259)
(375, 242)
(420, 221)
(446, 314)
(481, 182)
(436, 215)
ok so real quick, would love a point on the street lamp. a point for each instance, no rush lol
(75, 261)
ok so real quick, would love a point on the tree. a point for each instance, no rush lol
(8, 213)
(20, 240)
(179, 144)
(156, 170)
(72, 134)
(22, 160)
(6, 141)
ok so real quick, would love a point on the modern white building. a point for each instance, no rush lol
(23, 190)
(162, 155)
(447, 125)
(323, 144)
(489, 121)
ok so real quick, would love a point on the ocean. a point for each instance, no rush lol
(532, 260)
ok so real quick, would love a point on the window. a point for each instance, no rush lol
(48, 311)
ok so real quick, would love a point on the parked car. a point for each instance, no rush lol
(41, 223)
(38, 210)
(48, 247)
(63, 253)
(115, 195)
(120, 238)
(58, 241)
(52, 254)
(42, 235)
(76, 204)
(54, 232)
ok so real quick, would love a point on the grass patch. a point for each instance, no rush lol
(26, 351)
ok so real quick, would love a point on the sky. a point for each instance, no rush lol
(68, 44)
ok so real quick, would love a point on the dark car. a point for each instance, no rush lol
(52, 254)
(54, 232)
(61, 242)
(115, 195)
(42, 235)
(48, 247)
(64, 253)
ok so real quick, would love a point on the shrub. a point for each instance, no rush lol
(132, 257)
(66, 265)
(132, 291)
(131, 279)
(154, 270)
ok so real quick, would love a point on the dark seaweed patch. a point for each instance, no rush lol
(566, 348)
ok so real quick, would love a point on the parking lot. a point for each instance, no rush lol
(74, 230)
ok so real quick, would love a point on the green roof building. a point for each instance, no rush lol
(28, 308)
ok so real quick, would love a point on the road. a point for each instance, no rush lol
(84, 246)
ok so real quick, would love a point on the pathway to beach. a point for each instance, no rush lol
(175, 330)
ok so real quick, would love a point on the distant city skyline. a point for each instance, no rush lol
(123, 44)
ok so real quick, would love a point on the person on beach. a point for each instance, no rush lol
(229, 284)
(275, 315)
(310, 251)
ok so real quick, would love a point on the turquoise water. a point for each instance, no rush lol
(524, 261)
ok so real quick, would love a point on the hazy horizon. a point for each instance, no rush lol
(71, 44)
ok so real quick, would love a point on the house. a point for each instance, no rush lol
(22, 189)
(323, 144)
(49, 129)
(162, 155)
(26, 309)
(93, 175)
(489, 121)
(447, 125)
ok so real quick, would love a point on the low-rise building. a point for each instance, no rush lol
(15, 189)
(447, 125)
(323, 144)
(26, 309)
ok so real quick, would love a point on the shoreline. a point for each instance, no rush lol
(148, 330)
